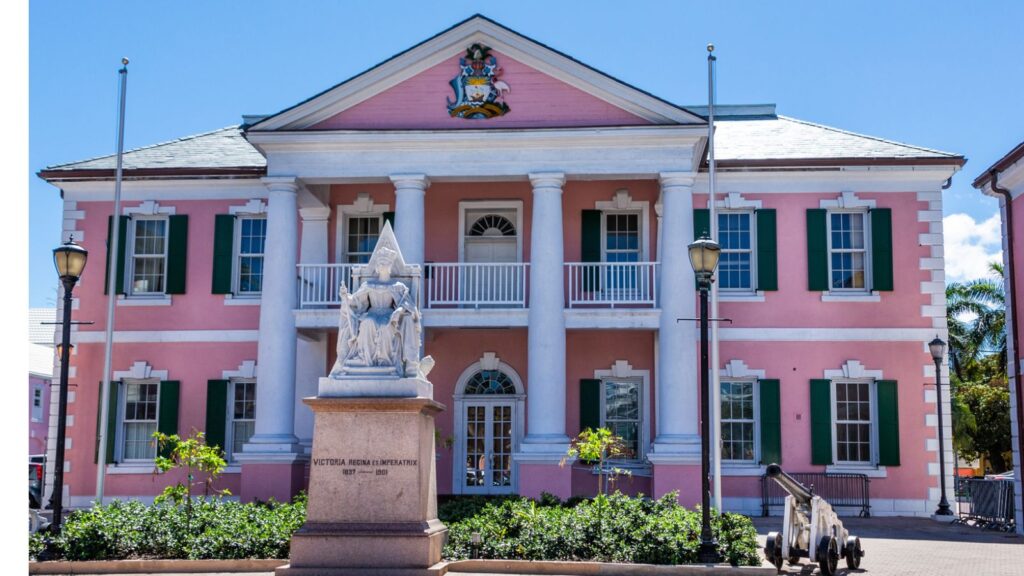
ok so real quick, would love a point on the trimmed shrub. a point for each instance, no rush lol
(613, 528)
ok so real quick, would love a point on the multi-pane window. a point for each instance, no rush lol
(853, 422)
(149, 255)
(847, 250)
(735, 270)
(622, 237)
(738, 424)
(362, 237)
(37, 404)
(252, 235)
(243, 415)
(621, 414)
(139, 421)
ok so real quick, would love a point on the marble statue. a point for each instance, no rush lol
(379, 326)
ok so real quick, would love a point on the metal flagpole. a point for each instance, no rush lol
(115, 235)
(716, 390)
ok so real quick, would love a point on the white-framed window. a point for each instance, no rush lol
(848, 250)
(739, 432)
(621, 412)
(241, 415)
(361, 233)
(147, 244)
(139, 408)
(853, 423)
(621, 237)
(250, 243)
(37, 403)
(736, 263)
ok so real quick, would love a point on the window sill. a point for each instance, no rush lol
(131, 468)
(742, 469)
(869, 471)
(741, 296)
(230, 300)
(232, 468)
(851, 297)
(163, 300)
(634, 468)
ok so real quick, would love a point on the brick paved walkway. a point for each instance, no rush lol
(920, 546)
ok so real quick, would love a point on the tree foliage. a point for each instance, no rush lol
(599, 448)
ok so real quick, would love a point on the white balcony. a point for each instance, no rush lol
(612, 284)
(463, 285)
(318, 284)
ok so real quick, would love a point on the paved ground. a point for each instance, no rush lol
(920, 546)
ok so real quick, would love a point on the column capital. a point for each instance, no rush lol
(315, 213)
(406, 181)
(281, 183)
(547, 180)
(675, 179)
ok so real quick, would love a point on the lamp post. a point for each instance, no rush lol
(704, 259)
(938, 350)
(70, 260)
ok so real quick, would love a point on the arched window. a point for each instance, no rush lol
(490, 382)
(492, 225)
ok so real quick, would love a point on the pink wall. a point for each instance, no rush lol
(536, 100)
(38, 430)
(579, 195)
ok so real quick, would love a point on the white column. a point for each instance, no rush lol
(545, 394)
(677, 438)
(311, 350)
(275, 405)
(409, 192)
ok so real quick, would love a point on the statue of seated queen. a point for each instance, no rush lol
(379, 326)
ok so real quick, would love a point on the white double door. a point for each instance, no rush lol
(488, 441)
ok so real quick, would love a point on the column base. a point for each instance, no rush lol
(684, 478)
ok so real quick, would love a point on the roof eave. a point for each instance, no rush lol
(1002, 164)
(957, 161)
(107, 173)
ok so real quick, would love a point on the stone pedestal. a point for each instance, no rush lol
(372, 488)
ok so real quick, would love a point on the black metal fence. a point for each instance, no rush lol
(838, 489)
(989, 503)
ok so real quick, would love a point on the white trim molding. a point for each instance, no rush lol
(247, 370)
(853, 370)
(738, 370)
(149, 208)
(847, 201)
(254, 206)
(141, 371)
(362, 207)
(622, 202)
(736, 201)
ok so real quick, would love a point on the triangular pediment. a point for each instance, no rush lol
(546, 88)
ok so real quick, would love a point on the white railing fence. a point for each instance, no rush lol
(464, 285)
(612, 284)
(318, 284)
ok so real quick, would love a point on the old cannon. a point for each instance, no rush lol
(810, 529)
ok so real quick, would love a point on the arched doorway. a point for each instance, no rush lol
(489, 411)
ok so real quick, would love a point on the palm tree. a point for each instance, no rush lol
(976, 315)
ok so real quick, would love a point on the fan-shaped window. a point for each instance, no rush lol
(492, 225)
(490, 382)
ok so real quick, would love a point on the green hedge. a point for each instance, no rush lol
(217, 529)
(616, 528)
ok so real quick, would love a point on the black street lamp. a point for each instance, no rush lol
(70, 260)
(704, 259)
(938, 350)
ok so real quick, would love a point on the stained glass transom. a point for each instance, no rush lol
(490, 382)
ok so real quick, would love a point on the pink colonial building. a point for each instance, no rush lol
(550, 205)
(1004, 180)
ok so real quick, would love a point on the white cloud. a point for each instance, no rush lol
(970, 246)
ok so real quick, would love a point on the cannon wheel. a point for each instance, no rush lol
(773, 549)
(828, 555)
(853, 553)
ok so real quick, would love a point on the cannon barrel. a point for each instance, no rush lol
(789, 484)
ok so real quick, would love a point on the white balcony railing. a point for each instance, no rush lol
(464, 285)
(612, 284)
(318, 284)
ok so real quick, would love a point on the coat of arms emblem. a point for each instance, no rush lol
(478, 91)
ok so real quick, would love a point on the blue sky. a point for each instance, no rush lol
(946, 75)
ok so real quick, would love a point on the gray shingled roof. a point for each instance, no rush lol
(784, 138)
(39, 333)
(224, 148)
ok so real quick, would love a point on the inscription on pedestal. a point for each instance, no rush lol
(365, 466)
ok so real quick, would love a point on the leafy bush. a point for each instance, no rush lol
(613, 528)
(457, 508)
(217, 529)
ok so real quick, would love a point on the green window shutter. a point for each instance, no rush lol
(216, 412)
(888, 423)
(817, 250)
(771, 422)
(767, 251)
(590, 404)
(590, 248)
(223, 252)
(121, 246)
(881, 249)
(167, 418)
(390, 218)
(111, 439)
(701, 223)
(177, 252)
(821, 421)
